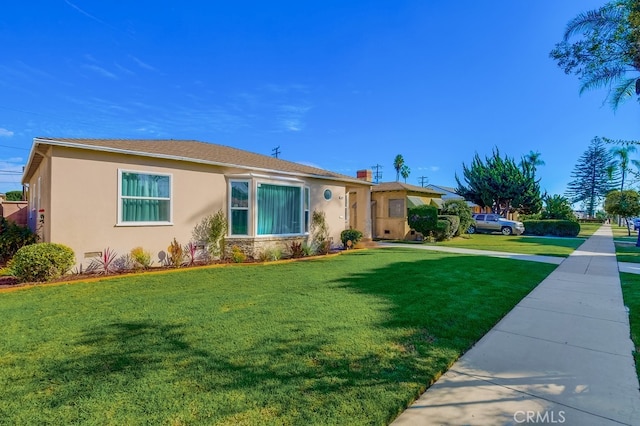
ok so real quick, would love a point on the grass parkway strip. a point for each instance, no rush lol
(351, 339)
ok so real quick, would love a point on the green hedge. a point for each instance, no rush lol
(12, 237)
(41, 262)
(559, 228)
(454, 224)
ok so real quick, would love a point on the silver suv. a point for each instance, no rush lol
(495, 223)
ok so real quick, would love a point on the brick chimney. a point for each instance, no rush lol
(366, 175)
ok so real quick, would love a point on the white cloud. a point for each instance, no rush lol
(5, 133)
(291, 117)
(142, 64)
(87, 14)
(101, 71)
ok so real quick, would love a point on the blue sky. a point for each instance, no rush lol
(342, 85)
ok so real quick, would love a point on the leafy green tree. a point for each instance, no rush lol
(591, 181)
(405, 171)
(625, 204)
(557, 207)
(14, 195)
(500, 184)
(398, 162)
(602, 47)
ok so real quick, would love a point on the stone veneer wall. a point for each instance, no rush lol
(252, 247)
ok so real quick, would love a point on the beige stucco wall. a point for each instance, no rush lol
(79, 192)
(385, 226)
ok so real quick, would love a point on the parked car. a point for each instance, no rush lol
(636, 223)
(495, 223)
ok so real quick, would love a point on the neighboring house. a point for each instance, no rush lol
(389, 204)
(93, 194)
(450, 194)
(15, 211)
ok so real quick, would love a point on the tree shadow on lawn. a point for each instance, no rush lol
(436, 308)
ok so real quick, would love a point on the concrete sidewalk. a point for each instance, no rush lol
(563, 355)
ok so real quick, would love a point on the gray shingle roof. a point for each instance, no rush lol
(196, 151)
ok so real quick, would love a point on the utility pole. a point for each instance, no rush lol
(377, 175)
(423, 180)
(275, 151)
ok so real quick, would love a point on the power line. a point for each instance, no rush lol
(275, 151)
(15, 147)
(377, 174)
(423, 180)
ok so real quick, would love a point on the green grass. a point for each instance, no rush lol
(620, 233)
(351, 339)
(516, 244)
(588, 229)
(631, 294)
(627, 253)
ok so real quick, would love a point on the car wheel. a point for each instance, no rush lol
(506, 230)
(471, 230)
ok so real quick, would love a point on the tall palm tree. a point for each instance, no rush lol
(532, 159)
(398, 162)
(623, 162)
(405, 171)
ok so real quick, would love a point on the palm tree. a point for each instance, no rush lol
(532, 159)
(398, 162)
(405, 171)
(623, 161)
(607, 49)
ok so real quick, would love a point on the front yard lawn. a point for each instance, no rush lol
(627, 253)
(351, 339)
(562, 247)
(631, 294)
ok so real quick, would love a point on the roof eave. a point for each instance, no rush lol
(67, 144)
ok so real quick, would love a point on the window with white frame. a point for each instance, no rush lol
(144, 198)
(275, 209)
(239, 208)
(307, 204)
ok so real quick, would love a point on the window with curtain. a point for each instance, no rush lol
(239, 207)
(145, 198)
(307, 203)
(279, 209)
(396, 208)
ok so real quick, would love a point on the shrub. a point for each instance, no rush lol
(352, 235)
(13, 237)
(423, 219)
(270, 254)
(237, 255)
(443, 230)
(320, 232)
(454, 225)
(41, 262)
(559, 228)
(296, 249)
(307, 250)
(191, 249)
(461, 209)
(176, 254)
(211, 231)
(106, 263)
(141, 257)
